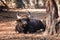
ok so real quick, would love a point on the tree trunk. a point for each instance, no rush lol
(53, 15)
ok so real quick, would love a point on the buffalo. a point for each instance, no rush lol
(27, 25)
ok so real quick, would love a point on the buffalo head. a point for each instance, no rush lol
(23, 18)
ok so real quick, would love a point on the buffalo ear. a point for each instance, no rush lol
(18, 17)
(29, 14)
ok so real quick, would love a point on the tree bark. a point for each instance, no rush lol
(4, 4)
(51, 8)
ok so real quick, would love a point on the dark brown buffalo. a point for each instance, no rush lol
(25, 24)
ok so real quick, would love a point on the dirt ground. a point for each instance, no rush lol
(7, 30)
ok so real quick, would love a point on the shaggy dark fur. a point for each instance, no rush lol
(32, 26)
